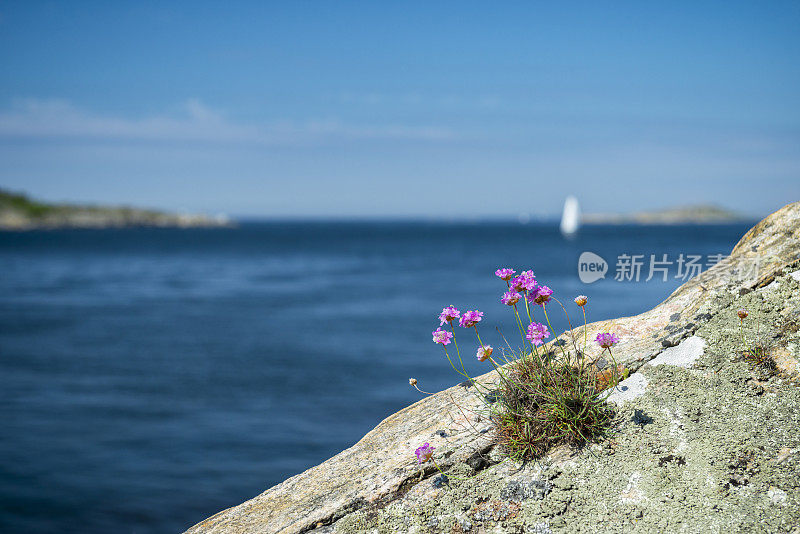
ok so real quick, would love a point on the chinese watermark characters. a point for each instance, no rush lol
(655, 267)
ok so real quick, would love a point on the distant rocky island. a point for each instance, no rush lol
(700, 214)
(19, 212)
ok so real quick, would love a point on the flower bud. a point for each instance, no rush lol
(581, 300)
(742, 313)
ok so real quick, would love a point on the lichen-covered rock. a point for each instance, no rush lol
(703, 441)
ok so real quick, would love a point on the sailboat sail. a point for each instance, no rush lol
(571, 217)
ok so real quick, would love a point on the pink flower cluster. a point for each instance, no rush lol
(540, 295)
(442, 336)
(525, 281)
(536, 333)
(424, 452)
(470, 318)
(607, 340)
(505, 273)
(448, 314)
(521, 286)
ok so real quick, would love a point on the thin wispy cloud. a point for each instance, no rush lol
(424, 100)
(54, 119)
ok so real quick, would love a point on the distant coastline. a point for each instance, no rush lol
(20, 212)
(700, 214)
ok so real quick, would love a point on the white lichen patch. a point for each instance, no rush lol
(777, 496)
(632, 494)
(632, 387)
(784, 454)
(676, 428)
(682, 355)
(539, 528)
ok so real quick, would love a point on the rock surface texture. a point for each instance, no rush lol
(703, 441)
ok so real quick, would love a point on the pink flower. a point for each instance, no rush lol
(442, 336)
(525, 281)
(484, 353)
(505, 273)
(448, 314)
(511, 297)
(606, 340)
(470, 318)
(424, 453)
(540, 295)
(537, 332)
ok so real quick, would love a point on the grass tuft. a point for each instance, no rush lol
(547, 395)
(759, 356)
(545, 402)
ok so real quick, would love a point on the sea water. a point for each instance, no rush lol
(152, 377)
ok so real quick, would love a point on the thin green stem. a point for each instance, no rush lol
(479, 336)
(527, 307)
(448, 477)
(458, 352)
(569, 322)
(519, 322)
(615, 373)
(499, 370)
(585, 328)
(563, 352)
(741, 333)
(453, 366)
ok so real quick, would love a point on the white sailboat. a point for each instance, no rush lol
(570, 217)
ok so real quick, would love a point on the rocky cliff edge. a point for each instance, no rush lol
(702, 440)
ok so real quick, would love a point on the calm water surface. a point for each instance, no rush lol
(153, 377)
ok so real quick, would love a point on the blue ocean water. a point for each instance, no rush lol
(152, 377)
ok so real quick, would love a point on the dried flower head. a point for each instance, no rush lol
(412, 381)
(581, 300)
(510, 298)
(442, 336)
(448, 314)
(505, 273)
(470, 318)
(424, 452)
(742, 313)
(607, 340)
(484, 353)
(536, 333)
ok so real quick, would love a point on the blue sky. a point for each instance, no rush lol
(455, 109)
